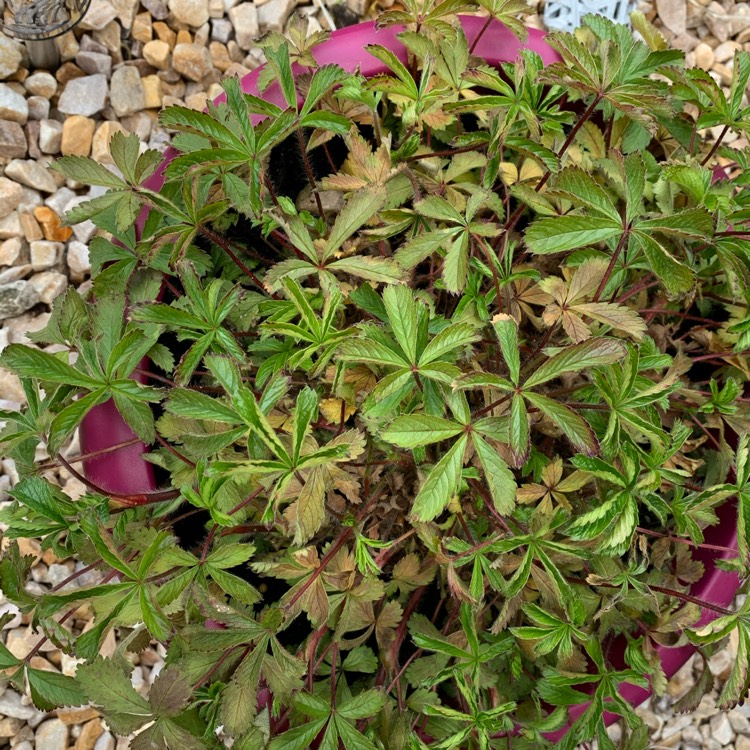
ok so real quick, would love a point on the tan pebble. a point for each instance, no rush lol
(156, 53)
(90, 733)
(77, 134)
(164, 33)
(48, 556)
(67, 46)
(197, 101)
(192, 60)
(704, 56)
(67, 72)
(152, 91)
(39, 662)
(102, 137)
(49, 221)
(10, 727)
(30, 228)
(724, 72)
(219, 56)
(183, 37)
(30, 546)
(725, 51)
(142, 30)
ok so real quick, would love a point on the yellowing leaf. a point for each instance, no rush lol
(618, 316)
(331, 408)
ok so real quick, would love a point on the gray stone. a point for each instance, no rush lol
(57, 573)
(91, 45)
(33, 175)
(78, 259)
(721, 729)
(41, 83)
(105, 742)
(14, 273)
(12, 140)
(10, 56)
(11, 194)
(742, 743)
(85, 230)
(15, 298)
(44, 254)
(157, 8)
(221, 30)
(50, 284)
(38, 107)
(140, 123)
(94, 62)
(126, 91)
(31, 199)
(84, 96)
(50, 136)
(273, 15)
(739, 721)
(59, 200)
(51, 735)
(244, 18)
(13, 105)
(189, 12)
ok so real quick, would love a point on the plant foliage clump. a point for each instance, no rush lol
(444, 375)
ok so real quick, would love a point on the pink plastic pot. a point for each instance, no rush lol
(125, 472)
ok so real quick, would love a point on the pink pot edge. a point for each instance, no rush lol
(126, 472)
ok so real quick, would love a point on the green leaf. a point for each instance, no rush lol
(573, 425)
(189, 403)
(441, 484)
(676, 277)
(453, 337)
(498, 476)
(85, 170)
(381, 270)
(362, 706)
(358, 210)
(239, 697)
(323, 80)
(299, 738)
(32, 363)
(106, 685)
(7, 660)
(556, 235)
(402, 313)
(577, 358)
(370, 352)
(50, 690)
(415, 430)
(506, 330)
(230, 555)
(518, 431)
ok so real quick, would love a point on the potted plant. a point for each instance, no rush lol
(441, 367)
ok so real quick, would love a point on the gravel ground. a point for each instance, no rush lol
(126, 60)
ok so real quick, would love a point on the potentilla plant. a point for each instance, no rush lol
(445, 380)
